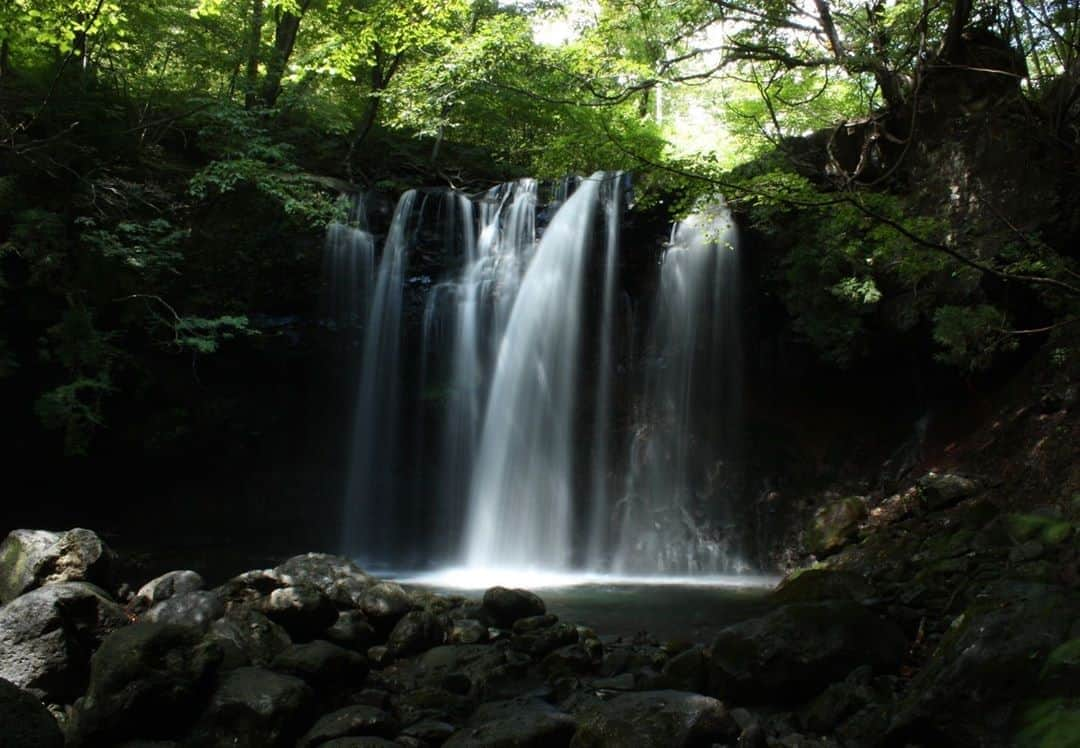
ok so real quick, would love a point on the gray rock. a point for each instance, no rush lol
(1026, 551)
(415, 632)
(379, 656)
(365, 742)
(32, 558)
(161, 588)
(48, 634)
(247, 637)
(534, 623)
(519, 723)
(196, 609)
(815, 585)
(430, 731)
(24, 720)
(686, 671)
(255, 708)
(146, 681)
(352, 721)
(352, 631)
(505, 606)
(571, 659)
(834, 525)
(467, 631)
(660, 719)
(304, 612)
(384, 604)
(994, 657)
(624, 682)
(337, 577)
(798, 649)
(543, 641)
(939, 490)
(327, 668)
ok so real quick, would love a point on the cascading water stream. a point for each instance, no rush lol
(349, 267)
(371, 486)
(684, 454)
(492, 436)
(521, 496)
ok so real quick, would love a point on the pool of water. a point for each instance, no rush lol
(669, 608)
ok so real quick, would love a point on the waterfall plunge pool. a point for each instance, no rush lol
(683, 608)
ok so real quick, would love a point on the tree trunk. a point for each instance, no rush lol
(5, 59)
(381, 73)
(953, 39)
(288, 27)
(254, 42)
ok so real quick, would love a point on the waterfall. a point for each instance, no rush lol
(371, 496)
(521, 496)
(480, 299)
(348, 266)
(684, 460)
(504, 401)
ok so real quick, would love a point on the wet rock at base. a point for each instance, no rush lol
(304, 612)
(505, 606)
(352, 721)
(834, 525)
(798, 649)
(255, 708)
(352, 631)
(32, 558)
(162, 588)
(416, 632)
(247, 637)
(327, 668)
(24, 720)
(939, 490)
(815, 585)
(197, 609)
(384, 604)
(522, 723)
(148, 680)
(48, 635)
(655, 719)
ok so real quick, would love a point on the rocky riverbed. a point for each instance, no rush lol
(951, 624)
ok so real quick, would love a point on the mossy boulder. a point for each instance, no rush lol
(146, 681)
(834, 525)
(941, 490)
(999, 653)
(815, 585)
(796, 650)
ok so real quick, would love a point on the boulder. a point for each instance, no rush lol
(994, 656)
(48, 634)
(161, 588)
(384, 604)
(505, 606)
(543, 641)
(24, 720)
(798, 649)
(940, 490)
(834, 525)
(467, 631)
(337, 577)
(815, 585)
(196, 609)
(686, 671)
(255, 708)
(327, 668)
(521, 723)
(247, 637)
(416, 632)
(352, 631)
(146, 681)
(571, 659)
(352, 721)
(33, 558)
(304, 612)
(655, 719)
